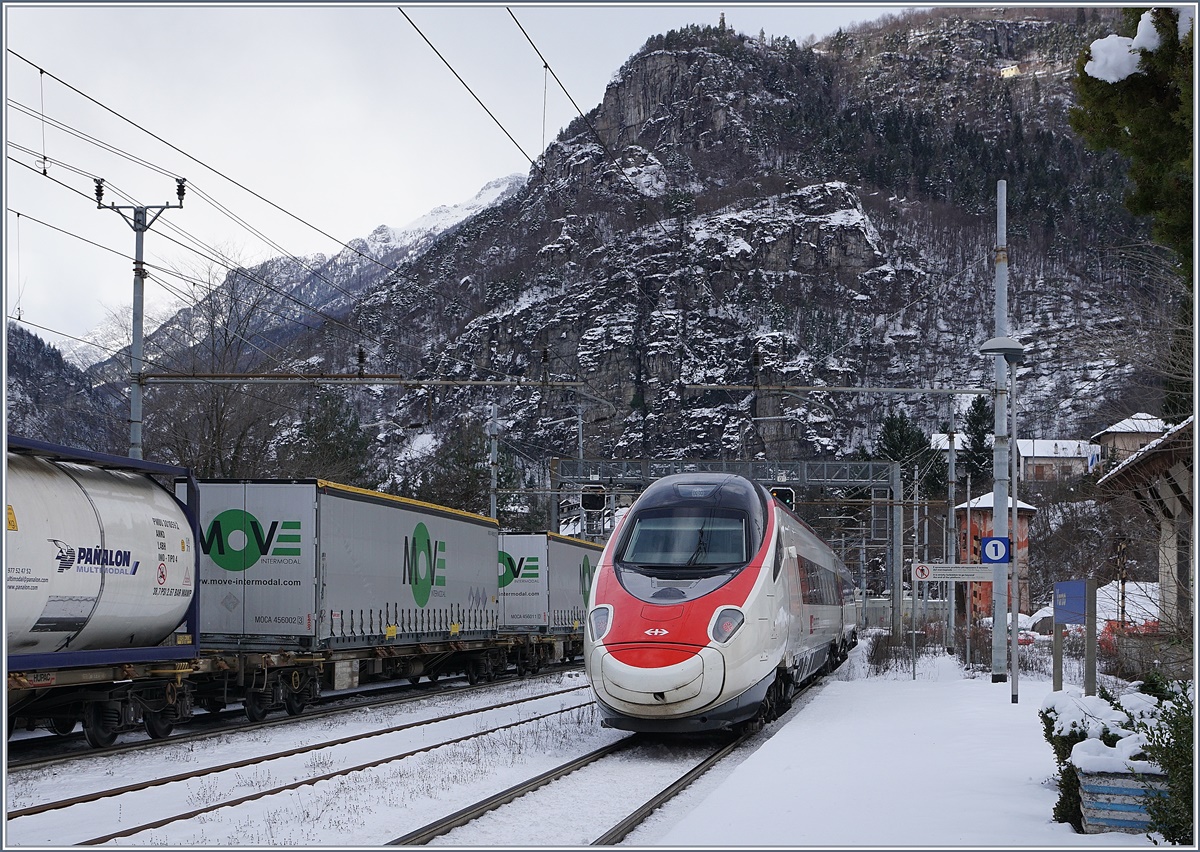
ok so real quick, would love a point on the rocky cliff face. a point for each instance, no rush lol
(749, 212)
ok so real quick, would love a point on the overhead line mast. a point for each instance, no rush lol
(141, 218)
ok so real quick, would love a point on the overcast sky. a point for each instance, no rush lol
(341, 115)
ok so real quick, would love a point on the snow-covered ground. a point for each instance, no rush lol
(888, 760)
(942, 760)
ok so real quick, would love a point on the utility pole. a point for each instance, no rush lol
(493, 431)
(1000, 448)
(140, 220)
(951, 545)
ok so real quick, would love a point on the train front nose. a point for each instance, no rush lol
(656, 680)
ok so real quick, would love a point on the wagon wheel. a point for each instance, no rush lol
(158, 727)
(255, 705)
(473, 672)
(293, 702)
(415, 680)
(99, 731)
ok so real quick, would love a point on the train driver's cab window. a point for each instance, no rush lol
(679, 537)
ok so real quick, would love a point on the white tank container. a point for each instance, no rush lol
(94, 558)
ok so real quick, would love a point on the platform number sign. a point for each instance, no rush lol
(994, 550)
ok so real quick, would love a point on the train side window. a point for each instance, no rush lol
(810, 581)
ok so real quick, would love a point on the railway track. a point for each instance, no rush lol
(54, 749)
(456, 828)
(155, 801)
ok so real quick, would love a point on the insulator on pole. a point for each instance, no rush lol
(99, 191)
(179, 189)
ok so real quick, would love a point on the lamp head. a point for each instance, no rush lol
(1011, 349)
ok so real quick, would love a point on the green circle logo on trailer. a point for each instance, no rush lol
(508, 569)
(422, 581)
(233, 540)
(585, 575)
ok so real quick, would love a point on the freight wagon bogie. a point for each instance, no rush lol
(260, 683)
(154, 705)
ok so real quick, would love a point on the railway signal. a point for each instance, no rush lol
(786, 496)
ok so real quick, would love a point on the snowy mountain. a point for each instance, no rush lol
(317, 283)
(737, 211)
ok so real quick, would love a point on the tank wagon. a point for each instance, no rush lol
(128, 605)
(101, 610)
(712, 604)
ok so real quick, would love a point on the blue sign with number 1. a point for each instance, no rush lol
(994, 550)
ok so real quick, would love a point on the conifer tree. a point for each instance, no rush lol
(1147, 116)
(976, 456)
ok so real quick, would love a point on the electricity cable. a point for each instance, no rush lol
(469, 90)
(603, 146)
(205, 165)
(244, 188)
(156, 365)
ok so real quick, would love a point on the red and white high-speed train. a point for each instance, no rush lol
(712, 604)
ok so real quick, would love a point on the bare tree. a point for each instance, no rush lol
(1155, 336)
(217, 429)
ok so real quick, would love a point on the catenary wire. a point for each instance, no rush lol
(399, 277)
(219, 174)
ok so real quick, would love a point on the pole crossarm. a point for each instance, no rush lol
(839, 389)
(338, 378)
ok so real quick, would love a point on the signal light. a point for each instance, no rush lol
(786, 496)
(592, 498)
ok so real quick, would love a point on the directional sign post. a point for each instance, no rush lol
(960, 572)
(940, 572)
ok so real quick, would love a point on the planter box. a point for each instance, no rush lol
(1115, 801)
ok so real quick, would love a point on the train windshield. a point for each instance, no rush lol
(687, 537)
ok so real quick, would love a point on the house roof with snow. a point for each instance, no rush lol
(1057, 449)
(987, 501)
(1159, 453)
(1138, 423)
(1028, 448)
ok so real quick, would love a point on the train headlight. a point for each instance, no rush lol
(599, 620)
(727, 623)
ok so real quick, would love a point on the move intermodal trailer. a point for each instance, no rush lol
(305, 583)
(544, 581)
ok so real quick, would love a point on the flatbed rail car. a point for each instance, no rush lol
(101, 610)
(309, 585)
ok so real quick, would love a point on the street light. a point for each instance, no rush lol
(1013, 353)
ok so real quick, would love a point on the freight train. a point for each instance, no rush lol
(136, 593)
(712, 604)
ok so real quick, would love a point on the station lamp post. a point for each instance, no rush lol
(1005, 475)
